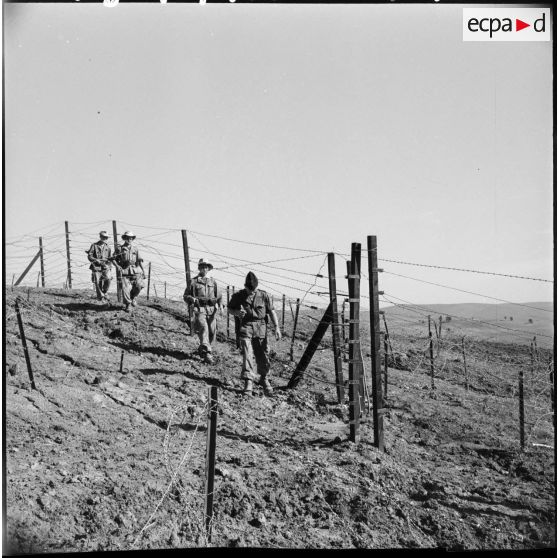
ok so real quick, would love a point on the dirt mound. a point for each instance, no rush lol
(109, 452)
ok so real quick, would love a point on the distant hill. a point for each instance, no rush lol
(503, 322)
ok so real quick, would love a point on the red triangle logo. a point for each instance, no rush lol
(519, 25)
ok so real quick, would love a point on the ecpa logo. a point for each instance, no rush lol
(506, 24)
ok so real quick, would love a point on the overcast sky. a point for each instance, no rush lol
(301, 126)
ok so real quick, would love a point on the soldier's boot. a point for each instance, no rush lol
(127, 308)
(248, 387)
(208, 358)
(264, 382)
(134, 302)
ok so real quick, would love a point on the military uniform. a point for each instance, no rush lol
(253, 331)
(99, 254)
(205, 297)
(128, 258)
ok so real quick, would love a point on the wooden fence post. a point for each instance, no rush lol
(228, 311)
(42, 262)
(378, 402)
(21, 277)
(121, 362)
(354, 344)
(165, 290)
(118, 275)
(294, 328)
(188, 276)
(283, 318)
(148, 279)
(155, 288)
(465, 363)
(311, 347)
(13, 279)
(236, 327)
(521, 411)
(335, 328)
(431, 355)
(38, 278)
(211, 445)
(24, 343)
(69, 261)
(385, 364)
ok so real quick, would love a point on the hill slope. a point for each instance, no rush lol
(104, 458)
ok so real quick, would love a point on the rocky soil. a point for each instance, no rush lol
(108, 453)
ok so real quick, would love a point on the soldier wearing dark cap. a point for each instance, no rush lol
(253, 307)
(99, 255)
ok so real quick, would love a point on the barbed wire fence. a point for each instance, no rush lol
(460, 357)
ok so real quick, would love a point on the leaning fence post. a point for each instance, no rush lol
(431, 354)
(354, 344)
(148, 279)
(68, 255)
(211, 444)
(294, 328)
(13, 279)
(38, 278)
(35, 258)
(155, 289)
(121, 362)
(521, 411)
(24, 343)
(42, 262)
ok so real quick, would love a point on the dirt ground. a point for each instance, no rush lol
(109, 452)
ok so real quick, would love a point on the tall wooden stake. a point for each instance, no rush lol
(121, 362)
(24, 343)
(228, 311)
(335, 328)
(521, 411)
(42, 262)
(148, 279)
(38, 278)
(188, 276)
(211, 445)
(13, 279)
(283, 318)
(165, 290)
(118, 276)
(385, 364)
(431, 354)
(294, 328)
(377, 398)
(354, 345)
(68, 257)
(465, 363)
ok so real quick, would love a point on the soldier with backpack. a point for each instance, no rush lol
(205, 298)
(130, 265)
(253, 307)
(99, 254)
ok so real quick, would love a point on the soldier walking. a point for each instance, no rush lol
(253, 308)
(99, 255)
(204, 296)
(128, 261)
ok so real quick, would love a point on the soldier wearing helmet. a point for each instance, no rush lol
(253, 307)
(204, 297)
(128, 261)
(99, 255)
